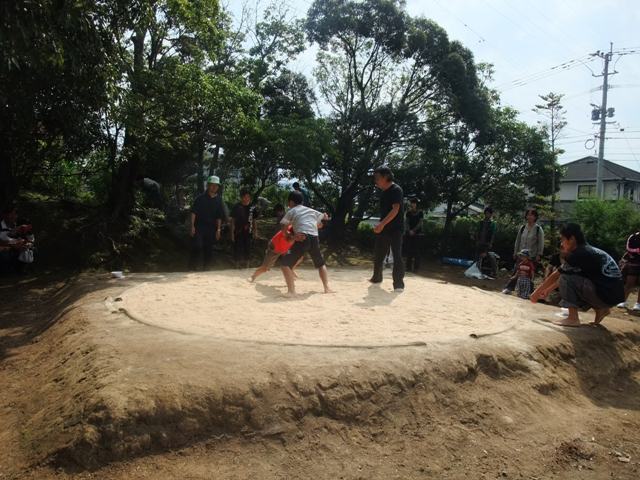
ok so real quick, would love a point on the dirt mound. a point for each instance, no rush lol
(110, 386)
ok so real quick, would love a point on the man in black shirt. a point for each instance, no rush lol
(588, 278)
(389, 230)
(412, 237)
(207, 214)
(243, 229)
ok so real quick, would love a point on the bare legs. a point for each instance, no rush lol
(573, 320)
(290, 279)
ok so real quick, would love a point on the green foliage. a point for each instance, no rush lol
(607, 224)
(364, 235)
(382, 72)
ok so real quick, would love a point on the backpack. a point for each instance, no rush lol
(633, 243)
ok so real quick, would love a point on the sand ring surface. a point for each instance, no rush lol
(225, 305)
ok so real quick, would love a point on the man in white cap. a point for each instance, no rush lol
(207, 214)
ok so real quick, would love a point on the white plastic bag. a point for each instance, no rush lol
(26, 256)
(474, 272)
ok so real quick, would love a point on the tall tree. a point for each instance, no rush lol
(379, 70)
(553, 124)
(54, 77)
(464, 169)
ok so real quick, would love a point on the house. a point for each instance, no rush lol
(579, 183)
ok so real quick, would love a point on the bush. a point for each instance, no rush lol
(607, 224)
(365, 235)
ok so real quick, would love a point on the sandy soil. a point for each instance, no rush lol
(224, 305)
(441, 381)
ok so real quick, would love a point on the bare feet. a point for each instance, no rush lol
(600, 315)
(328, 290)
(566, 323)
(289, 295)
(572, 319)
(251, 279)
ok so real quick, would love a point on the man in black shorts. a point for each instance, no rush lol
(304, 221)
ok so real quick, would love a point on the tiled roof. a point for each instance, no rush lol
(584, 169)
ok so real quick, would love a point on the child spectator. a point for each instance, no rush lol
(523, 275)
(630, 267)
(243, 228)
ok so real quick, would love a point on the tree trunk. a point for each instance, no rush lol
(446, 230)
(8, 185)
(123, 196)
(200, 175)
(338, 225)
(214, 161)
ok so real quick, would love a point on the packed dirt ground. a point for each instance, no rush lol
(97, 383)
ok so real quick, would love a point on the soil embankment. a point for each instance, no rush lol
(186, 375)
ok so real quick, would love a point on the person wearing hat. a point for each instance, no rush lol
(207, 214)
(523, 277)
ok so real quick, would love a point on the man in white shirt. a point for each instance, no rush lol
(304, 221)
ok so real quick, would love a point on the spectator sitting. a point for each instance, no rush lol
(152, 191)
(487, 262)
(588, 278)
(16, 241)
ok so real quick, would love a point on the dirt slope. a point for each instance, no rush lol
(94, 394)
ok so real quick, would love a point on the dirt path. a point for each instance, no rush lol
(93, 394)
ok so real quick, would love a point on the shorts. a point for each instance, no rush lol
(310, 244)
(270, 257)
(630, 270)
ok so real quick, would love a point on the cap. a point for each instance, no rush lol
(213, 179)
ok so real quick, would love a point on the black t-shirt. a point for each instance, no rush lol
(208, 210)
(392, 195)
(600, 268)
(243, 217)
(414, 220)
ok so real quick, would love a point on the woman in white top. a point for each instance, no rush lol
(530, 237)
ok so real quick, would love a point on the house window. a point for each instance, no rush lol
(586, 191)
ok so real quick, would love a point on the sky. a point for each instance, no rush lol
(525, 40)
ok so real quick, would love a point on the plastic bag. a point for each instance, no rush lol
(474, 272)
(26, 256)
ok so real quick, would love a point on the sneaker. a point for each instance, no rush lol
(636, 307)
(622, 305)
(506, 291)
(398, 290)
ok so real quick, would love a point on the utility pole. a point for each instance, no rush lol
(603, 117)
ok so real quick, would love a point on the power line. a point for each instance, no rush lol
(542, 74)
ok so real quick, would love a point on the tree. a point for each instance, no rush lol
(158, 33)
(464, 169)
(54, 79)
(379, 70)
(554, 122)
